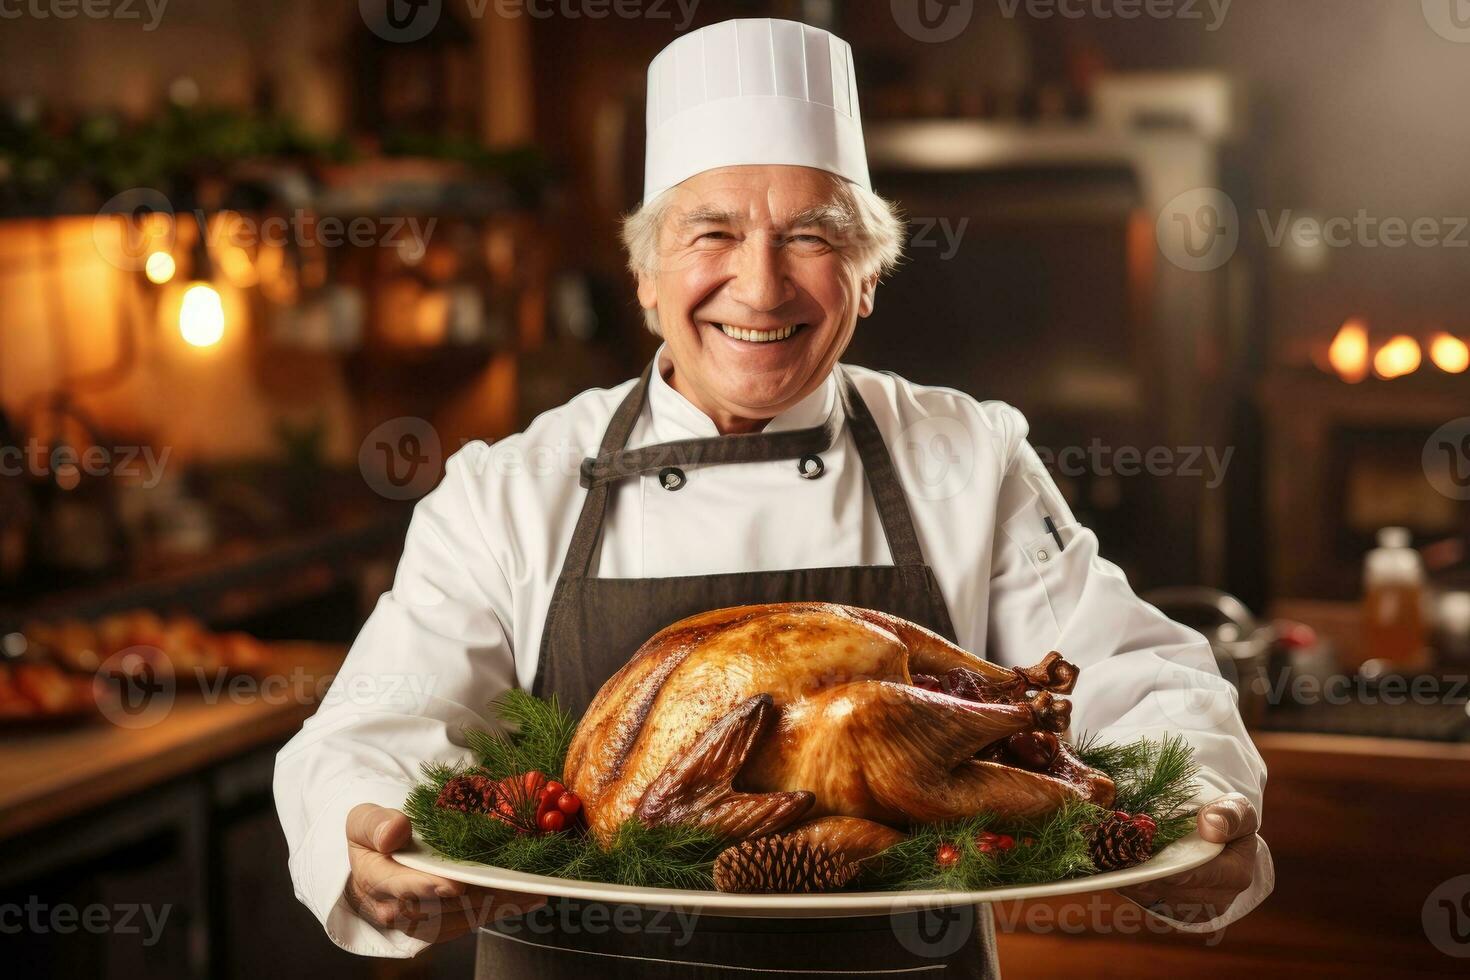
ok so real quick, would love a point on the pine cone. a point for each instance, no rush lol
(467, 794)
(1121, 841)
(776, 865)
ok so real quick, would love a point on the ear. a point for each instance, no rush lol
(647, 291)
(867, 296)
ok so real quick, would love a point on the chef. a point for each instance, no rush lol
(745, 464)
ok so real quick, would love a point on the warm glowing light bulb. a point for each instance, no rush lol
(159, 268)
(1348, 354)
(201, 315)
(1449, 353)
(1398, 357)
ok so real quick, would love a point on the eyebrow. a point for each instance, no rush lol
(821, 215)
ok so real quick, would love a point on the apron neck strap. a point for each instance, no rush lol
(614, 461)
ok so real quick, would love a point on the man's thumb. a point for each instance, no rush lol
(379, 827)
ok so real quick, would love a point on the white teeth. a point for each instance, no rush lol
(756, 336)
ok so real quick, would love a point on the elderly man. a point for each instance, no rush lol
(746, 464)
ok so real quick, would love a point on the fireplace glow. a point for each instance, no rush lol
(1449, 353)
(1348, 354)
(1398, 357)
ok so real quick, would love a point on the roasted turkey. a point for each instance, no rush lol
(750, 719)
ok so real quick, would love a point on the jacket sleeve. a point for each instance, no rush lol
(1143, 675)
(434, 652)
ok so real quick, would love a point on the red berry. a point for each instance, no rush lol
(986, 847)
(533, 781)
(947, 856)
(1005, 842)
(568, 803)
(553, 789)
(552, 820)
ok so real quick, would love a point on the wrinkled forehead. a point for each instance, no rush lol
(759, 197)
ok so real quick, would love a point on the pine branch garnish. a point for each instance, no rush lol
(539, 737)
(1153, 777)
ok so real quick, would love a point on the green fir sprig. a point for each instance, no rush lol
(539, 735)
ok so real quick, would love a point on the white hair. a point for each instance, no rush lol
(868, 231)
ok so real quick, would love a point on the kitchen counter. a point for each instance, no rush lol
(49, 775)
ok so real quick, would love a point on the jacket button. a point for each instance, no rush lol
(671, 477)
(811, 466)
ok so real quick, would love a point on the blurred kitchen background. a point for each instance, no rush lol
(263, 265)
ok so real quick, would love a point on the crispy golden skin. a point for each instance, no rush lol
(747, 719)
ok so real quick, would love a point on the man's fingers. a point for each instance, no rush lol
(1234, 867)
(1229, 818)
(377, 828)
(379, 876)
(1209, 888)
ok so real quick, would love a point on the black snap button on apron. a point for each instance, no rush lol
(671, 477)
(811, 466)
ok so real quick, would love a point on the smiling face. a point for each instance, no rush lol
(756, 289)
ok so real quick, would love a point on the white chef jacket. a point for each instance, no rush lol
(463, 621)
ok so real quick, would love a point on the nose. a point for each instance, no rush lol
(759, 278)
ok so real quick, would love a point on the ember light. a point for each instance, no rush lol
(1348, 354)
(1449, 353)
(1398, 357)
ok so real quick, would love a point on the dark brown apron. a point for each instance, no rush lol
(594, 625)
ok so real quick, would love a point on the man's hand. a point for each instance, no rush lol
(1207, 892)
(426, 907)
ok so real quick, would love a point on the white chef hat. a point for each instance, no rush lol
(751, 91)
